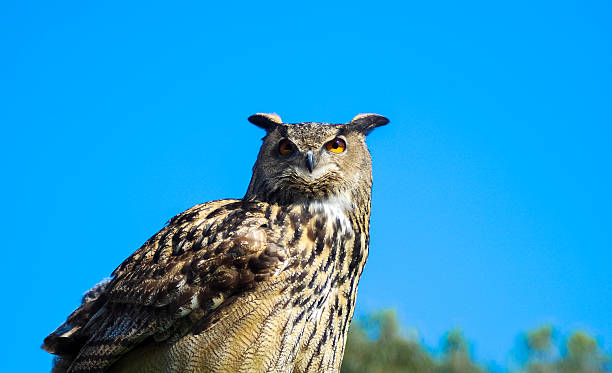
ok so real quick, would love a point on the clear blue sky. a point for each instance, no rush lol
(491, 204)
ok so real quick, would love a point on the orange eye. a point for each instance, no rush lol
(286, 147)
(337, 145)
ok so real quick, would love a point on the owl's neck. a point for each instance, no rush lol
(357, 201)
(336, 208)
(351, 209)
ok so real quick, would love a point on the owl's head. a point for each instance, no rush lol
(300, 162)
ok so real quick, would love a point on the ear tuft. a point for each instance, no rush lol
(367, 122)
(265, 121)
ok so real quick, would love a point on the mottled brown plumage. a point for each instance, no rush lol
(262, 284)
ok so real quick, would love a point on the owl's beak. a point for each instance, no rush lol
(310, 161)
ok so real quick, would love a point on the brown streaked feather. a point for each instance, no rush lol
(67, 339)
(203, 256)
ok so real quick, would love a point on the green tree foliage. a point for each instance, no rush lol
(388, 351)
(582, 353)
(456, 357)
(377, 344)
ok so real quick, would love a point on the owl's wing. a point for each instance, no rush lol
(185, 272)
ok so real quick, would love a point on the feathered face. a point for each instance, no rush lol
(312, 161)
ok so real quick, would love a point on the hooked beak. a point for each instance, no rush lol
(310, 161)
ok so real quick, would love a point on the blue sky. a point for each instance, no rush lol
(491, 203)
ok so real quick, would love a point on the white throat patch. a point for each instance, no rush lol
(335, 209)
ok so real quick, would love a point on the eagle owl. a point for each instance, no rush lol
(266, 283)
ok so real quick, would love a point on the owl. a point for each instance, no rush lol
(266, 283)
